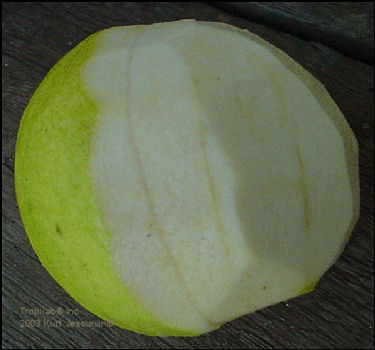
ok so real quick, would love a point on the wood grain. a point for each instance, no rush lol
(346, 26)
(339, 314)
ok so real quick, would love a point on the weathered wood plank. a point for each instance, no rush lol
(345, 26)
(339, 314)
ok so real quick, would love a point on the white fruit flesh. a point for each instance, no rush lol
(221, 176)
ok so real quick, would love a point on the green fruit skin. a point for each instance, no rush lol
(57, 203)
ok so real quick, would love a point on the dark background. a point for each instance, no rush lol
(334, 41)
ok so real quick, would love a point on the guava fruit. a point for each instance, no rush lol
(173, 177)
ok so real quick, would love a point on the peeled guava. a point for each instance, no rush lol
(173, 177)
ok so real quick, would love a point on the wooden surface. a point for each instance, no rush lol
(346, 26)
(339, 314)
